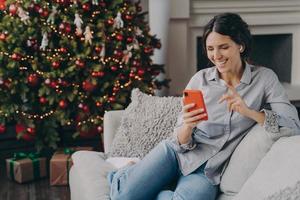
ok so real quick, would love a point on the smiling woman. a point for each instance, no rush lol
(235, 95)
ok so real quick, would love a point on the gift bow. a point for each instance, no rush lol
(22, 155)
(68, 151)
(35, 163)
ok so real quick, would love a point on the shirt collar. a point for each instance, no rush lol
(246, 77)
(213, 74)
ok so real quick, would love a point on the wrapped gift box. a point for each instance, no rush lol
(26, 167)
(61, 163)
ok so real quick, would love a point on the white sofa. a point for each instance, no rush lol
(263, 166)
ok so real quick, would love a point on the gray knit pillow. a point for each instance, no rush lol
(146, 121)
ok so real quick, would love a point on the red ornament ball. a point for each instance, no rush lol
(98, 74)
(33, 79)
(62, 104)
(55, 65)
(128, 17)
(63, 50)
(62, 27)
(13, 9)
(119, 37)
(86, 7)
(131, 75)
(136, 63)
(118, 53)
(98, 49)
(122, 77)
(2, 5)
(31, 130)
(43, 100)
(148, 50)
(98, 104)
(116, 89)
(7, 83)
(141, 72)
(112, 99)
(129, 39)
(68, 28)
(113, 68)
(2, 128)
(100, 129)
(21, 129)
(37, 7)
(2, 37)
(86, 109)
(80, 63)
(16, 57)
(53, 84)
(65, 27)
(88, 86)
(45, 13)
(110, 21)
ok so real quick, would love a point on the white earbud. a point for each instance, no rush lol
(241, 49)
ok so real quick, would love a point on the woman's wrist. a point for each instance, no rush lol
(185, 133)
(257, 116)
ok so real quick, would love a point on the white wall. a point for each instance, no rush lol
(170, 25)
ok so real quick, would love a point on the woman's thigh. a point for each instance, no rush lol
(146, 178)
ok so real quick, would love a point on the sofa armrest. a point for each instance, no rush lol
(111, 123)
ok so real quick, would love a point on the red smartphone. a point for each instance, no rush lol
(194, 96)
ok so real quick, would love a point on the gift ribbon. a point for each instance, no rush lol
(34, 157)
(68, 151)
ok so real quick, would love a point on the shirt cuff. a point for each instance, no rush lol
(182, 148)
(271, 121)
(190, 145)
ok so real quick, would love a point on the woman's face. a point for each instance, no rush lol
(223, 52)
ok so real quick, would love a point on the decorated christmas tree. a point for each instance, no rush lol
(63, 63)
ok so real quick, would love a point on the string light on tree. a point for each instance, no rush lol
(83, 58)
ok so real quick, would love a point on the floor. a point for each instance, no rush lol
(36, 190)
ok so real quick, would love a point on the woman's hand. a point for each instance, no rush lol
(192, 118)
(235, 102)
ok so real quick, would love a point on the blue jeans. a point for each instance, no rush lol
(149, 178)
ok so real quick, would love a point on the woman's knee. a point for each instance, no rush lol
(195, 186)
(165, 195)
(119, 191)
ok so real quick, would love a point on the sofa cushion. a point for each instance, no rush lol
(277, 173)
(88, 174)
(247, 156)
(146, 121)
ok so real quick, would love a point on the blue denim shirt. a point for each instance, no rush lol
(213, 141)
